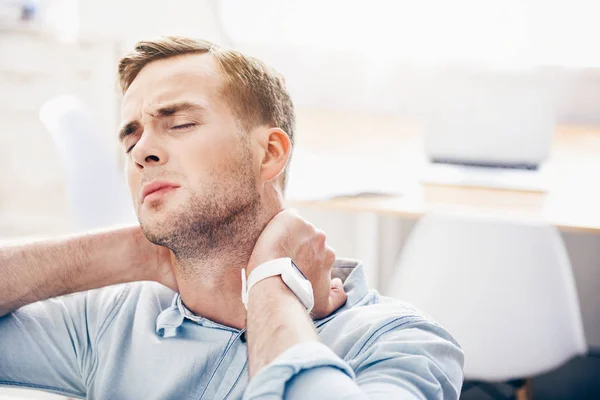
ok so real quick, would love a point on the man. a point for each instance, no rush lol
(208, 133)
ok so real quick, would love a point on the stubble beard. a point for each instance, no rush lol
(221, 225)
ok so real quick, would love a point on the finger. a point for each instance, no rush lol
(321, 238)
(329, 257)
(337, 297)
(336, 283)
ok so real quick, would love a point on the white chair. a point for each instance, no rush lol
(504, 289)
(96, 188)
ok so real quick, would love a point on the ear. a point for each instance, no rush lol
(276, 150)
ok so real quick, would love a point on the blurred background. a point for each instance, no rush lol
(453, 146)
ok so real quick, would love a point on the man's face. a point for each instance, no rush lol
(183, 140)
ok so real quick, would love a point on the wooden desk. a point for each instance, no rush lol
(572, 203)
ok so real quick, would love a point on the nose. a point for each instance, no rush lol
(149, 151)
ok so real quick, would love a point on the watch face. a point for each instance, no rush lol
(295, 267)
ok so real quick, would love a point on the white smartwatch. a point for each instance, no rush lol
(290, 274)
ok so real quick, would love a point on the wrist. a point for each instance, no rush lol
(289, 275)
(271, 289)
(129, 244)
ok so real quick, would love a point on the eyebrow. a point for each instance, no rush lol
(164, 111)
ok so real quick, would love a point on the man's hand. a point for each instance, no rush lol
(288, 235)
(155, 263)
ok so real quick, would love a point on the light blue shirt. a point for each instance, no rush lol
(138, 340)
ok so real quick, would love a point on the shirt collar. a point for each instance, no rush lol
(170, 319)
(351, 272)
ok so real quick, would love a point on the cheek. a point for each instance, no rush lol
(213, 155)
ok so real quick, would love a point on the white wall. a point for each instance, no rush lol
(133, 20)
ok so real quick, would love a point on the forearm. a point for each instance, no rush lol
(276, 321)
(38, 270)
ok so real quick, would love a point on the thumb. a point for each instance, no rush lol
(337, 295)
(336, 283)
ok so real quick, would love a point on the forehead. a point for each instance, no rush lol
(192, 77)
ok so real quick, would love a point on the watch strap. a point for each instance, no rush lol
(263, 271)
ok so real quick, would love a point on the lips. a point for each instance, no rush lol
(157, 186)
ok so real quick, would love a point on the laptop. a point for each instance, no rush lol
(490, 129)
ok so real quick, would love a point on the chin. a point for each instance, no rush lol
(157, 214)
(156, 228)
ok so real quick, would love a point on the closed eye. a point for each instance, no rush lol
(184, 126)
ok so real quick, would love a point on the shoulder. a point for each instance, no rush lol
(128, 295)
(377, 318)
(126, 300)
(388, 340)
(375, 311)
(95, 310)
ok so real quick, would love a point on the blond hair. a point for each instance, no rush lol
(255, 92)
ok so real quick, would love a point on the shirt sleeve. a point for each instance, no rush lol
(416, 360)
(48, 345)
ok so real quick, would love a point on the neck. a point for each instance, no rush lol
(208, 260)
(210, 281)
(214, 291)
